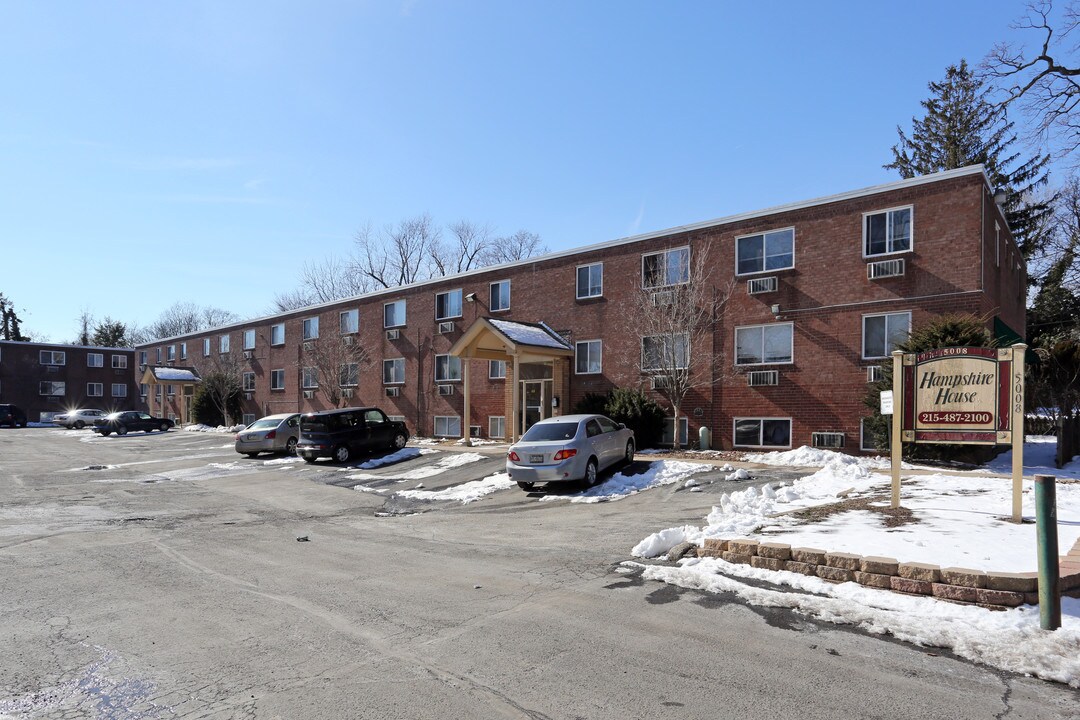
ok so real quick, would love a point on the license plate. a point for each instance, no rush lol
(536, 458)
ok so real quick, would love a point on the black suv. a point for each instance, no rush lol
(121, 422)
(12, 415)
(340, 434)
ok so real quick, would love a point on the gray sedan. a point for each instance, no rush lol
(273, 433)
(571, 448)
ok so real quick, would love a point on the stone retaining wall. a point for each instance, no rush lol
(993, 590)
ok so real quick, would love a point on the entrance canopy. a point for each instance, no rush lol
(491, 339)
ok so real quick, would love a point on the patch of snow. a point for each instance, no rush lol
(446, 462)
(395, 457)
(1039, 453)
(466, 492)
(199, 427)
(619, 486)
(740, 474)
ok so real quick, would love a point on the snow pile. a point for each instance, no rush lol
(740, 474)
(477, 442)
(199, 427)
(465, 493)
(448, 461)
(394, 457)
(1010, 640)
(661, 472)
(659, 543)
(1039, 452)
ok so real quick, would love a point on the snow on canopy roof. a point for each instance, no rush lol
(176, 374)
(537, 335)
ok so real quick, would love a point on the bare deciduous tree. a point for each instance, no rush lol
(465, 250)
(331, 278)
(399, 255)
(674, 313)
(222, 379)
(184, 318)
(334, 364)
(519, 246)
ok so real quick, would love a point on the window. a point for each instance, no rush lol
(774, 250)
(95, 389)
(762, 432)
(500, 296)
(349, 321)
(144, 390)
(496, 369)
(588, 356)
(48, 387)
(205, 348)
(277, 334)
(183, 351)
(866, 438)
(311, 328)
(120, 390)
(763, 344)
(394, 314)
(349, 375)
(309, 378)
(249, 382)
(671, 267)
(52, 357)
(887, 232)
(95, 360)
(248, 418)
(665, 352)
(590, 280)
(157, 392)
(223, 343)
(249, 339)
(882, 333)
(170, 390)
(277, 379)
(142, 357)
(497, 426)
(170, 353)
(119, 361)
(447, 368)
(393, 371)
(448, 305)
(668, 437)
(447, 426)
(157, 355)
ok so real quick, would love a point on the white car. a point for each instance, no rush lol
(78, 418)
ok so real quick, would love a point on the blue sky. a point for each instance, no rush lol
(201, 151)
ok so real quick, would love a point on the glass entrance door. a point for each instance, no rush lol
(535, 402)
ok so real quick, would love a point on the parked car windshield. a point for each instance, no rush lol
(550, 431)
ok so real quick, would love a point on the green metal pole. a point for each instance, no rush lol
(1046, 530)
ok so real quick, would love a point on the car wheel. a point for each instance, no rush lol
(121, 429)
(106, 433)
(252, 455)
(591, 474)
(629, 458)
(526, 485)
(164, 427)
(309, 460)
(399, 441)
(290, 446)
(79, 425)
(341, 453)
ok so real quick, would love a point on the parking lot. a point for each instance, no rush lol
(163, 575)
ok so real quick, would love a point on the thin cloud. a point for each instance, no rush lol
(635, 226)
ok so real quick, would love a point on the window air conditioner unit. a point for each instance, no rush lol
(446, 327)
(446, 389)
(309, 394)
(309, 346)
(347, 340)
(757, 378)
(757, 286)
(827, 439)
(873, 373)
(249, 396)
(885, 269)
(346, 393)
(393, 391)
(248, 354)
(393, 334)
(474, 431)
(52, 368)
(665, 297)
(118, 371)
(658, 382)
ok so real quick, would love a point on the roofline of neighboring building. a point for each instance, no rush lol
(68, 345)
(727, 220)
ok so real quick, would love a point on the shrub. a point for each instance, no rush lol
(204, 411)
(631, 407)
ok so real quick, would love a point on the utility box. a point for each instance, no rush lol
(704, 438)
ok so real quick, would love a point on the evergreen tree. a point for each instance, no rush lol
(110, 333)
(9, 321)
(962, 127)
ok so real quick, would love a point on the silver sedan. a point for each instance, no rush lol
(571, 448)
(273, 433)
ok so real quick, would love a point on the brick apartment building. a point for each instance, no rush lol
(47, 378)
(823, 288)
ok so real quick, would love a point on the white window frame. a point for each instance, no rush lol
(99, 357)
(205, 348)
(56, 357)
(142, 357)
(588, 357)
(170, 353)
(648, 368)
(248, 386)
(53, 386)
(309, 378)
(496, 420)
(460, 304)
(646, 286)
(349, 321)
(394, 363)
(170, 390)
(445, 374)
(447, 419)
(183, 351)
(577, 281)
(492, 374)
(345, 371)
(144, 390)
(277, 379)
(886, 316)
(249, 339)
(761, 430)
(248, 418)
(888, 226)
(404, 313)
(119, 390)
(95, 389)
(224, 344)
(491, 296)
(311, 328)
(862, 437)
(763, 328)
(277, 334)
(119, 362)
(684, 431)
(764, 257)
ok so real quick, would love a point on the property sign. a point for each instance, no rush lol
(886, 402)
